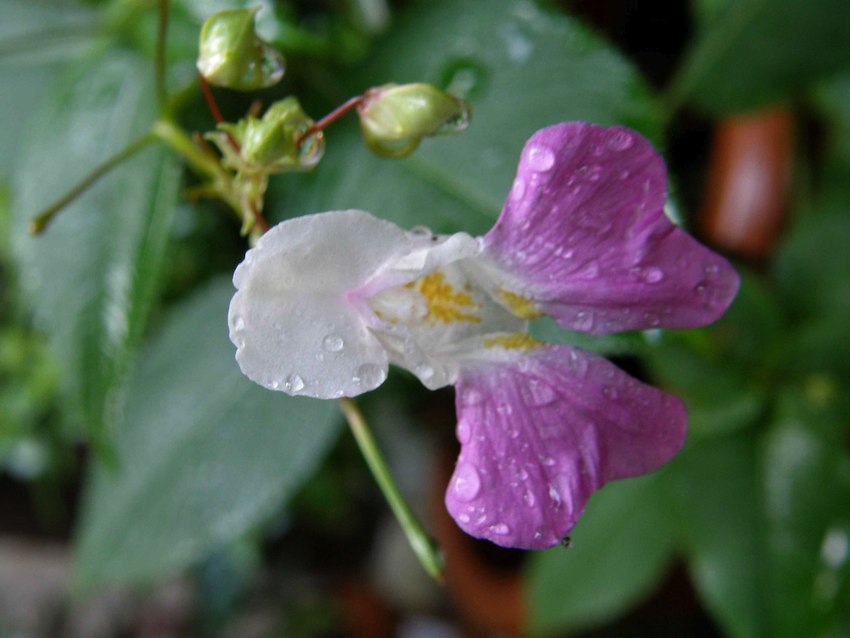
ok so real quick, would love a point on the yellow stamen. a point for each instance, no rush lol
(519, 305)
(515, 341)
(444, 302)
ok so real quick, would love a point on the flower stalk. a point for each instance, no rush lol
(423, 546)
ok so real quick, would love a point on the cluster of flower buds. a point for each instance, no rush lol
(271, 144)
(393, 118)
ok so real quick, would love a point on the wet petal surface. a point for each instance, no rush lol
(583, 234)
(539, 434)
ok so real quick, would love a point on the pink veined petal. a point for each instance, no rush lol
(538, 436)
(583, 234)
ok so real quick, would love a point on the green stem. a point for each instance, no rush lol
(179, 141)
(159, 61)
(41, 221)
(423, 546)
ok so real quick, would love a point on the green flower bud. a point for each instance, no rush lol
(269, 145)
(395, 117)
(231, 55)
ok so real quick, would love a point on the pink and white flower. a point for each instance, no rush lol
(326, 302)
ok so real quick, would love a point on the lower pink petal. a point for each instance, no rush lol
(539, 435)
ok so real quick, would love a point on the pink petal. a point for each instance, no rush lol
(539, 435)
(583, 234)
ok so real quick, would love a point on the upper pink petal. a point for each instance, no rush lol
(539, 435)
(584, 235)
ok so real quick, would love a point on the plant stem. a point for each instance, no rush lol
(422, 544)
(159, 61)
(41, 221)
(331, 117)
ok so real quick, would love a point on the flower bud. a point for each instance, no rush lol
(395, 117)
(231, 55)
(269, 145)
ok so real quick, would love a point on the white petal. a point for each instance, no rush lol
(296, 319)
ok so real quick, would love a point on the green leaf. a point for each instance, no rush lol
(521, 68)
(92, 277)
(748, 53)
(620, 548)
(204, 456)
(813, 266)
(34, 38)
(715, 504)
(806, 478)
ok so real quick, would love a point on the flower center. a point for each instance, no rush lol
(445, 303)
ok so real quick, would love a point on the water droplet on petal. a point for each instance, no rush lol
(463, 431)
(467, 482)
(504, 408)
(653, 275)
(293, 383)
(540, 158)
(584, 321)
(500, 529)
(472, 397)
(537, 393)
(528, 499)
(518, 189)
(333, 343)
(238, 322)
(555, 496)
(463, 518)
(369, 374)
(425, 372)
(548, 461)
(620, 140)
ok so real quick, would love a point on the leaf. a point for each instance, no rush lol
(807, 497)
(91, 279)
(764, 520)
(521, 68)
(749, 53)
(715, 505)
(621, 547)
(34, 38)
(204, 456)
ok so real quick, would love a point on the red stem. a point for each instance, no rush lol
(216, 112)
(331, 117)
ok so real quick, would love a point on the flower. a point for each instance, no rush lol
(325, 302)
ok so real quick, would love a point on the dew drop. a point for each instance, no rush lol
(518, 189)
(421, 232)
(653, 275)
(504, 408)
(463, 431)
(584, 321)
(610, 392)
(591, 172)
(555, 496)
(333, 343)
(463, 518)
(620, 140)
(528, 499)
(472, 397)
(540, 158)
(238, 323)
(457, 123)
(548, 461)
(467, 482)
(275, 385)
(500, 529)
(537, 393)
(293, 383)
(369, 374)
(522, 474)
(425, 372)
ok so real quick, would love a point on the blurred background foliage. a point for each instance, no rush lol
(148, 487)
